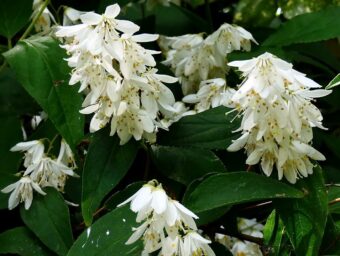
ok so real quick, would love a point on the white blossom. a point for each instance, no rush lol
(240, 247)
(34, 151)
(194, 59)
(42, 170)
(117, 75)
(71, 16)
(167, 225)
(22, 191)
(277, 116)
(211, 94)
(44, 22)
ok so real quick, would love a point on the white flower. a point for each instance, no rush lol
(34, 151)
(37, 119)
(194, 244)
(194, 59)
(22, 191)
(71, 16)
(43, 24)
(66, 155)
(49, 172)
(211, 94)
(245, 226)
(277, 116)
(246, 248)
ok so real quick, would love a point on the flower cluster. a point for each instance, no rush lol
(168, 226)
(41, 171)
(117, 75)
(211, 94)
(194, 59)
(238, 247)
(277, 116)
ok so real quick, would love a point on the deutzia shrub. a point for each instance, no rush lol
(117, 75)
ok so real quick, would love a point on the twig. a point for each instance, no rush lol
(336, 200)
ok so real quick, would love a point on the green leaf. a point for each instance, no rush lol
(211, 129)
(307, 28)
(237, 187)
(272, 233)
(46, 80)
(107, 236)
(10, 134)
(14, 14)
(106, 164)
(14, 100)
(255, 12)
(49, 219)
(21, 241)
(305, 219)
(330, 242)
(335, 82)
(6, 179)
(292, 8)
(187, 165)
(185, 21)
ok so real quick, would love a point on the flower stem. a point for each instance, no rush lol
(30, 27)
(51, 144)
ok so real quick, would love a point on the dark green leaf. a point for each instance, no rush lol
(46, 80)
(107, 236)
(21, 241)
(10, 134)
(211, 129)
(106, 164)
(272, 233)
(187, 165)
(335, 82)
(185, 21)
(6, 179)
(307, 28)
(331, 239)
(49, 219)
(305, 219)
(14, 100)
(237, 187)
(255, 12)
(14, 14)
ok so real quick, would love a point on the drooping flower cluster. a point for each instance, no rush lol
(116, 73)
(277, 116)
(41, 171)
(167, 225)
(238, 247)
(194, 59)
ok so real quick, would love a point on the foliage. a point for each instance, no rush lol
(189, 158)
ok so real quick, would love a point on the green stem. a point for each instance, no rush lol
(51, 144)
(9, 43)
(30, 27)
